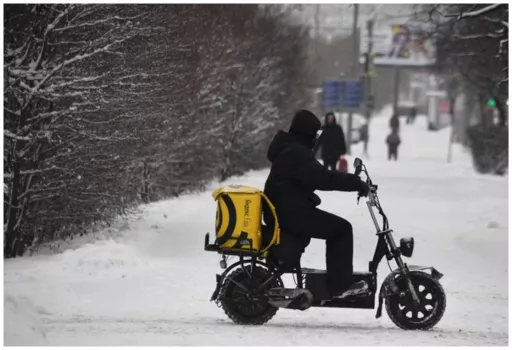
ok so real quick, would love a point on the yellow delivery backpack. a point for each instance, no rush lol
(238, 223)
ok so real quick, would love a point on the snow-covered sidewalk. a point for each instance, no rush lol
(151, 284)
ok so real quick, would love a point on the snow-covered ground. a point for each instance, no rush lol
(151, 284)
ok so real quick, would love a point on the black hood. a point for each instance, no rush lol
(305, 124)
(304, 127)
(279, 143)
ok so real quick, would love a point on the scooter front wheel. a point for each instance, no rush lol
(406, 314)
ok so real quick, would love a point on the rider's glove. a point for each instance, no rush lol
(364, 189)
(313, 197)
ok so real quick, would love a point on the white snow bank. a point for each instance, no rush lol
(102, 257)
(22, 323)
(117, 231)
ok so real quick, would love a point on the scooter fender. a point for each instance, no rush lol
(215, 294)
(389, 286)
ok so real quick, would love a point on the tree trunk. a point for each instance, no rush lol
(10, 232)
(483, 111)
(145, 184)
(226, 169)
(11, 229)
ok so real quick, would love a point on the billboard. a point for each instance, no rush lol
(399, 45)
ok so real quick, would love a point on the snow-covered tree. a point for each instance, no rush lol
(472, 47)
(55, 86)
(109, 105)
(468, 38)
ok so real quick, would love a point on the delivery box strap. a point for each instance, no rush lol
(219, 218)
(276, 234)
(232, 220)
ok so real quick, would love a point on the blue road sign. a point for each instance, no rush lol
(352, 94)
(331, 97)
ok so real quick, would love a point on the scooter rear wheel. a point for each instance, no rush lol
(402, 310)
(239, 300)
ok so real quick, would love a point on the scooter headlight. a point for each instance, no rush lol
(407, 246)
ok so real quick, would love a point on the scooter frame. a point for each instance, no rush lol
(386, 247)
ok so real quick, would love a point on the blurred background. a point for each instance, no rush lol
(110, 106)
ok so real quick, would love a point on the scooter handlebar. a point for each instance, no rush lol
(373, 188)
(373, 191)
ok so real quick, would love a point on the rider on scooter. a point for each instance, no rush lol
(294, 176)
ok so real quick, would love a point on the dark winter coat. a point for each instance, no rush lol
(393, 141)
(332, 141)
(363, 131)
(394, 122)
(295, 175)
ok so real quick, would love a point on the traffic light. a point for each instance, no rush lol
(491, 103)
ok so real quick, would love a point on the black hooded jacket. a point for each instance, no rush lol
(295, 175)
(332, 141)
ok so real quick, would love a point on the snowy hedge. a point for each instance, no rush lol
(107, 106)
(489, 148)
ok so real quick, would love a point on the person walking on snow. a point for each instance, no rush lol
(393, 141)
(332, 142)
(394, 123)
(363, 131)
(411, 117)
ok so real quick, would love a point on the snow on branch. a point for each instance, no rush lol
(476, 36)
(41, 190)
(496, 20)
(475, 13)
(46, 115)
(38, 171)
(69, 62)
(15, 52)
(95, 23)
(74, 81)
(16, 113)
(10, 135)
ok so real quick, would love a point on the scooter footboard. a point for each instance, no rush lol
(316, 283)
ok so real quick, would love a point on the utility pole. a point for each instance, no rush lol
(368, 75)
(451, 95)
(355, 71)
(396, 89)
(317, 28)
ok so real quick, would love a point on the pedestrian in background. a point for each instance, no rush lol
(394, 123)
(393, 141)
(332, 142)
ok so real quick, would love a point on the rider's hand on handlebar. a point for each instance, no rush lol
(364, 189)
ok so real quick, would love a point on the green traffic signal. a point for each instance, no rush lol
(491, 102)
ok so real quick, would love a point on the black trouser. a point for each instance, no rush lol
(338, 236)
(330, 163)
(392, 153)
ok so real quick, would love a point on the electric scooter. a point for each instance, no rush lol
(250, 291)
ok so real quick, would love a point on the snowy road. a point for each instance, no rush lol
(151, 285)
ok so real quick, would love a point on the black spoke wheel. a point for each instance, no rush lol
(241, 302)
(406, 314)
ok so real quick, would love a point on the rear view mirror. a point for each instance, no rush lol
(357, 166)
